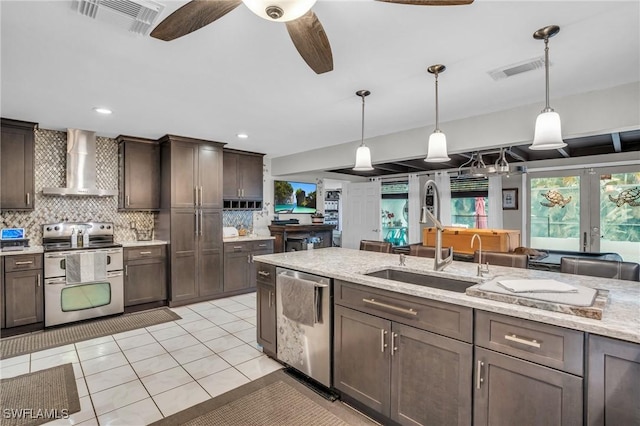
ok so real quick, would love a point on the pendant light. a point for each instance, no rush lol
(279, 10)
(437, 148)
(548, 132)
(363, 155)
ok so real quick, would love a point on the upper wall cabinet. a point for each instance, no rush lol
(16, 171)
(242, 179)
(139, 174)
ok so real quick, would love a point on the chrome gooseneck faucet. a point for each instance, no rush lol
(482, 269)
(438, 262)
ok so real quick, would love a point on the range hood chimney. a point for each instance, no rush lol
(81, 167)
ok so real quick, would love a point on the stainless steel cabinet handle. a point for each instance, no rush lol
(382, 343)
(28, 198)
(201, 196)
(394, 348)
(145, 252)
(238, 190)
(128, 203)
(38, 280)
(269, 298)
(24, 262)
(479, 378)
(126, 270)
(264, 273)
(262, 245)
(195, 196)
(242, 192)
(529, 342)
(393, 308)
(237, 247)
(584, 241)
(196, 218)
(200, 223)
(248, 258)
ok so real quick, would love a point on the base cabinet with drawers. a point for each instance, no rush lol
(145, 274)
(387, 357)
(23, 296)
(266, 306)
(239, 267)
(526, 373)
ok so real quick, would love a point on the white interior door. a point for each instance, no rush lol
(361, 203)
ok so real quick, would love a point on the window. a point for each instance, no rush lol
(470, 202)
(394, 211)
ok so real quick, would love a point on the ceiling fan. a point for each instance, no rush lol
(303, 25)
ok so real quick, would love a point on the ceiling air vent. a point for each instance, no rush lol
(137, 16)
(515, 69)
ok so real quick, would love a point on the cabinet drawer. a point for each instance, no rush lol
(438, 317)
(236, 247)
(22, 262)
(144, 252)
(266, 273)
(262, 245)
(544, 344)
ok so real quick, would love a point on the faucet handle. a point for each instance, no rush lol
(402, 259)
(483, 269)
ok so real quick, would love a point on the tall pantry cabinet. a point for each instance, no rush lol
(191, 217)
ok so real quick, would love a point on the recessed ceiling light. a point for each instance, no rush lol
(101, 110)
(242, 135)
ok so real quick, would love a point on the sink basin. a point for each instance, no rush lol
(424, 280)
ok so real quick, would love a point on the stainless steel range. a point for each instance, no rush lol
(82, 270)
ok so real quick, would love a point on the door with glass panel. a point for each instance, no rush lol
(590, 210)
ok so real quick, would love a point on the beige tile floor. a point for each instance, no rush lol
(137, 377)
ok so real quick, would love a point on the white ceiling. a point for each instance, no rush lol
(243, 74)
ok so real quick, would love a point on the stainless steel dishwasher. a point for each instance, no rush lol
(304, 323)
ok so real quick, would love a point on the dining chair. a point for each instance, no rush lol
(600, 268)
(379, 246)
(498, 258)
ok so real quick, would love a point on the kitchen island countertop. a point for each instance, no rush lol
(621, 317)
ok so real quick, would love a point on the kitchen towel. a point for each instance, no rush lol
(86, 267)
(537, 286)
(298, 298)
(584, 296)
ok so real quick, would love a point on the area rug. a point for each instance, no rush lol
(273, 400)
(19, 345)
(39, 397)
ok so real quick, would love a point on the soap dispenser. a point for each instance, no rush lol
(74, 238)
(85, 237)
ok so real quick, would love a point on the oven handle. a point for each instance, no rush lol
(63, 280)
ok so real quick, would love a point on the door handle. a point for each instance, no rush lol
(200, 223)
(584, 241)
(28, 198)
(196, 219)
(38, 280)
(269, 298)
(264, 273)
(382, 343)
(195, 196)
(128, 201)
(391, 307)
(242, 192)
(529, 342)
(479, 379)
(201, 195)
(25, 262)
(126, 270)
(394, 348)
(145, 252)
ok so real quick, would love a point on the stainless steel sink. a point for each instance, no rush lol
(423, 280)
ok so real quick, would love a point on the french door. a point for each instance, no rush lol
(591, 210)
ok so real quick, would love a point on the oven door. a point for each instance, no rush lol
(55, 263)
(65, 303)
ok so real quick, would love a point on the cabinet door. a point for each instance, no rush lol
(23, 298)
(184, 172)
(210, 176)
(266, 305)
(145, 281)
(511, 391)
(141, 176)
(613, 382)
(210, 252)
(16, 158)
(250, 175)
(184, 247)
(237, 268)
(362, 365)
(2, 293)
(431, 378)
(253, 273)
(231, 185)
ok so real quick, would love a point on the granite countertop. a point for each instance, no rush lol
(27, 250)
(247, 238)
(621, 317)
(143, 243)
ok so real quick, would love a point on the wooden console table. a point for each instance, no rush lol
(282, 232)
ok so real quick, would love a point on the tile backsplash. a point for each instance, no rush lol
(238, 218)
(50, 171)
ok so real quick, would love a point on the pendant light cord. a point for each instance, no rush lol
(546, 69)
(437, 114)
(362, 139)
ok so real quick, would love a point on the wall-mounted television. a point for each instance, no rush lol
(294, 197)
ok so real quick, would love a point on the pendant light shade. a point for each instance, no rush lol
(363, 154)
(548, 131)
(437, 148)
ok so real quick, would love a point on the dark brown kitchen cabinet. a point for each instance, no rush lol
(17, 142)
(145, 278)
(613, 382)
(2, 323)
(239, 268)
(191, 217)
(409, 375)
(23, 290)
(139, 174)
(266, 305)
(242, 175)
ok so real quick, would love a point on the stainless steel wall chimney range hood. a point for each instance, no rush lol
(81, 167)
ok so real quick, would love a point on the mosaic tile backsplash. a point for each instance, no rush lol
(50, 171)
(238, 219)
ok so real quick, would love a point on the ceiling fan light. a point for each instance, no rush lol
(437, 149)
(363, 159)
(548, 132)
(292, 9)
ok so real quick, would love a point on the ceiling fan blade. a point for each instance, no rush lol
(431, 2)
(312, 43)
(191, 17)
